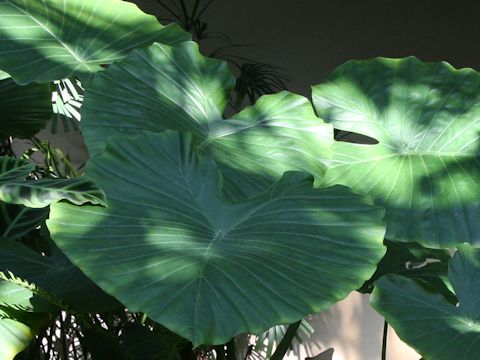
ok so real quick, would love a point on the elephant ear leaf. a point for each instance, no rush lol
(177, 88)
(170, 245)
(56, 39)
(424, 169)
(426, 320)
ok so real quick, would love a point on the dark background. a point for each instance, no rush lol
(309, 38)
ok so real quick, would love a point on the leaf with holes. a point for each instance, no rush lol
(25, 109)
(170, 245)
(429, 323)
(424, 169)
(164, 87)
(56, 39)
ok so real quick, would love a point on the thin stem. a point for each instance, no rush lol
(220, 350)
(231, 349)
(286, 342)
(384, 341)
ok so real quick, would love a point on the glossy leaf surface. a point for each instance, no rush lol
(429, 323)
(425, 168)
(55, 39)
(170, 245)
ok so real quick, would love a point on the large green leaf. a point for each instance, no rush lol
(25, 109)
(54, 274)
(156, 88)
(176, 88)
(424, 169)
(171, 246)
(56, 39)
(429, 323)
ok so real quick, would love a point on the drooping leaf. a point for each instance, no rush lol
(43, 192)
(414, 261)
(424, 169)
(57, 39)
(18, 220)
(25, 109)
(429, 323)
(171, 246)
(54, 274)
(176, 88)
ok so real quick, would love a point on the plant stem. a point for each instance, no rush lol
(231, 349)
(384, 341)
(286, 342)
(220, 350)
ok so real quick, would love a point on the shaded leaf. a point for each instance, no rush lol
(54, 274)
(17, 220)
(25, 109)
(171, 246)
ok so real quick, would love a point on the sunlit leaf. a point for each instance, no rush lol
(425, 168)
(56, 39)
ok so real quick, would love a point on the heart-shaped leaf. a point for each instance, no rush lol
(170, 245)
(25, 109)
(424, 170)
(56, 39)
(429, 323)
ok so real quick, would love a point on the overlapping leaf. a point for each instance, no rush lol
(25, 109)
(425, 320)
(176, 88)
(54, 274)
(14, 189)
(56, 39)
(41, 193)
(171, 246)
(424, 169)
